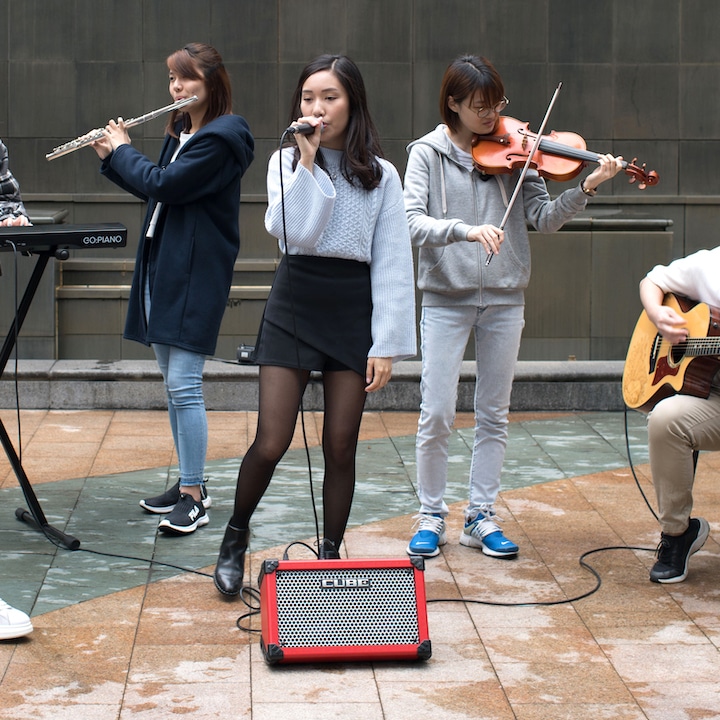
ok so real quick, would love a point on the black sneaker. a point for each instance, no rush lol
(186, 517)
(164, 503)
(673, 553)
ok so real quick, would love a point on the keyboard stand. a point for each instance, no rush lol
(36, 516)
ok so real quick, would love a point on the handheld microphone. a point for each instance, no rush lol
(301, 129)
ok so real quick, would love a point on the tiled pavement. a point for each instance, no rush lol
(119, 637)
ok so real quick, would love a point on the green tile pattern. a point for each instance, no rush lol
(119, 540)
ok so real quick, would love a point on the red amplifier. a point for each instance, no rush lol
(343, 610)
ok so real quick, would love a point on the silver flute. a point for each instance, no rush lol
(84, 140)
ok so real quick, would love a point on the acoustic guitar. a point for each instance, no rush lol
(655, 369)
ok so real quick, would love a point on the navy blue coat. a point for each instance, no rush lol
(190, 258)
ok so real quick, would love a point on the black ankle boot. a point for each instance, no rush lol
(328, 550)
(230, 566)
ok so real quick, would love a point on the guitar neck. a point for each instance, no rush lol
(699, 347)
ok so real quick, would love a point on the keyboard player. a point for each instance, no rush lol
(12, 210)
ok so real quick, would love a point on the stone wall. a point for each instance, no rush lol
(638, 80)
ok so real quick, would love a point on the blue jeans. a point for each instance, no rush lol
(182, 372)
(444, 333)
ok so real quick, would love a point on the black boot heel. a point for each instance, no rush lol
(328, 550)
(230, 566)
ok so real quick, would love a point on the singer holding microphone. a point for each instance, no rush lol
(342, 302)
(187, 251)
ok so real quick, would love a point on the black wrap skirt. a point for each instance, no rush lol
(318, 315)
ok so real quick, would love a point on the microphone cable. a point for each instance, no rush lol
(297, 343)
(249, 595)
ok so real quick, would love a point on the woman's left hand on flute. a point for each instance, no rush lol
(114, 135)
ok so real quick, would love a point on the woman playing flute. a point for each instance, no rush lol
(188, 246)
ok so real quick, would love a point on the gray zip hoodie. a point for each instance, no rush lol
(443, 201)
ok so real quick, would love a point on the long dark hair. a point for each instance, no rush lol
(463, 78)
(362, 142)
(198, 61)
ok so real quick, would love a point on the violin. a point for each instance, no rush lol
(559, 156)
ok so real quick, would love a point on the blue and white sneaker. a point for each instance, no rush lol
(429, 536)
(482, 531)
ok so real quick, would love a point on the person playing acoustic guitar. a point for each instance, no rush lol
(680, 425)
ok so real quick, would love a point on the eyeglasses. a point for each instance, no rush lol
(484, 112)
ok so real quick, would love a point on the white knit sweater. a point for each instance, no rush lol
(326, 216)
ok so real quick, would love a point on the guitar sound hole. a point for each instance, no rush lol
(677, 354)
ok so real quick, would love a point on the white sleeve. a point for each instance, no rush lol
(392, 277)
(306, 198)
(695, 276)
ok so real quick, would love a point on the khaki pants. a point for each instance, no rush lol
(677, 426)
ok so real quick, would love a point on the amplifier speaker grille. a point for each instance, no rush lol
(361, 607)
(351, 610)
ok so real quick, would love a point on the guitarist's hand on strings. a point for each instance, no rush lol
(670, 324)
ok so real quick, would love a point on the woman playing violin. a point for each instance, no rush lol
(454, 211)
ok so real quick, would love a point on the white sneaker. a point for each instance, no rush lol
(13, 623)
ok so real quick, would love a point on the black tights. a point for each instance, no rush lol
(280, 392)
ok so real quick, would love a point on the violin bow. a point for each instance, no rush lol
(518, 186)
